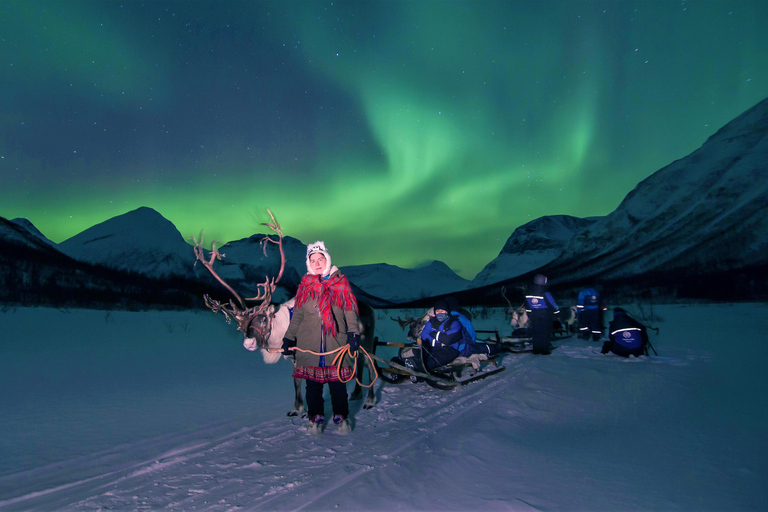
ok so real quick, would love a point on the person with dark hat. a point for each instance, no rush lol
(627, 336)
(541, 309)
(441, 336)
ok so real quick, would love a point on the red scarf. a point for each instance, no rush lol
(334, 291)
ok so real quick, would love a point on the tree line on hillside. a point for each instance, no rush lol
(30, 277)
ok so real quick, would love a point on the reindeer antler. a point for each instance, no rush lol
(215, 255)
(240, 312)
(402, 323)
(504, 294)
(269, 285)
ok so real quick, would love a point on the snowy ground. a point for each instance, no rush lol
(149, 411)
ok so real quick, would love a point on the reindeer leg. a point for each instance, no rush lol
(298, 404)
(370, 400)
(357, 393)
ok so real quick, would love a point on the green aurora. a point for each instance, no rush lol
(398, 132)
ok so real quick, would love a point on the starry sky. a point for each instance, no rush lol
(397, 132)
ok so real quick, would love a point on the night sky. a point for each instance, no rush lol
(398, 132)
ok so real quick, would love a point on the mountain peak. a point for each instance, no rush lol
(139, 240)
(701, 214)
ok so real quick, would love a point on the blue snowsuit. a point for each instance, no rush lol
(627, 337)
(444, 342)
(440, 341)
(589, 311)
(541, 309)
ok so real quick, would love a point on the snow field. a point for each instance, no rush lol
(203, 427)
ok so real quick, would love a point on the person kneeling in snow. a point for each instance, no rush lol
(628, 337)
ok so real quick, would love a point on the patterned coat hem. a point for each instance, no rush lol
(323, 374)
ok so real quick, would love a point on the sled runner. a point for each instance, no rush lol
(520, 340)
(408, 367)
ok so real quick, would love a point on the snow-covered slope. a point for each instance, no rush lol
(141, 240)
(30, 228)
(531, 246)
(703, 213)
(22, 233)
(401, 285)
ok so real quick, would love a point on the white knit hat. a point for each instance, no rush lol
(318, 247)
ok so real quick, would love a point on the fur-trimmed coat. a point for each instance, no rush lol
(306, 328)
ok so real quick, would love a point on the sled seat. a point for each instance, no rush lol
(475, 361)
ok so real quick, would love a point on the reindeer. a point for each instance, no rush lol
(264, 325)
(415, 325)
(518, 315)
(567, 319)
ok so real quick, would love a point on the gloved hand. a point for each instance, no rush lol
(353, 340)
(287, 345)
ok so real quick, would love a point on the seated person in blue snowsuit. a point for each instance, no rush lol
(627, 337)
(444, 338)
(589, 312)
(541, 309)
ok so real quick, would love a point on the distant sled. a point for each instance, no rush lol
(520, 340)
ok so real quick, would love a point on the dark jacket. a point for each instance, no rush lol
(539, 300)
(627, 336)
(439, 339)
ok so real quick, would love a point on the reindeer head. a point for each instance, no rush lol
(259, 325)
(415, 325)
(519, 317)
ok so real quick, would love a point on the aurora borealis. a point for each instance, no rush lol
(396, 131)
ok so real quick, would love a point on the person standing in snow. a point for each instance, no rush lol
(541, 309)
(589, 312)
(627, 336)
(325, 318)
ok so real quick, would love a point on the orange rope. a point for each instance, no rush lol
(340, 353)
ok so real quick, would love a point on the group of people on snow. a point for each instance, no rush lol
(626, 336)
(324, 321)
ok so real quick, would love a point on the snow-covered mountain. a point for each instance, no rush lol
(141, 240)
(31, 230)
(14, 232)
(399, 285)
(531, 246)
(700, 216)
(21, 233)
(34, 272)
(690, 226)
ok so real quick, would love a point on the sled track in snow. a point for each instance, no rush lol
(265, 467)
(448, 409)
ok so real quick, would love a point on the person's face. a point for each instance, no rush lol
(317, 263)
(438, 311)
